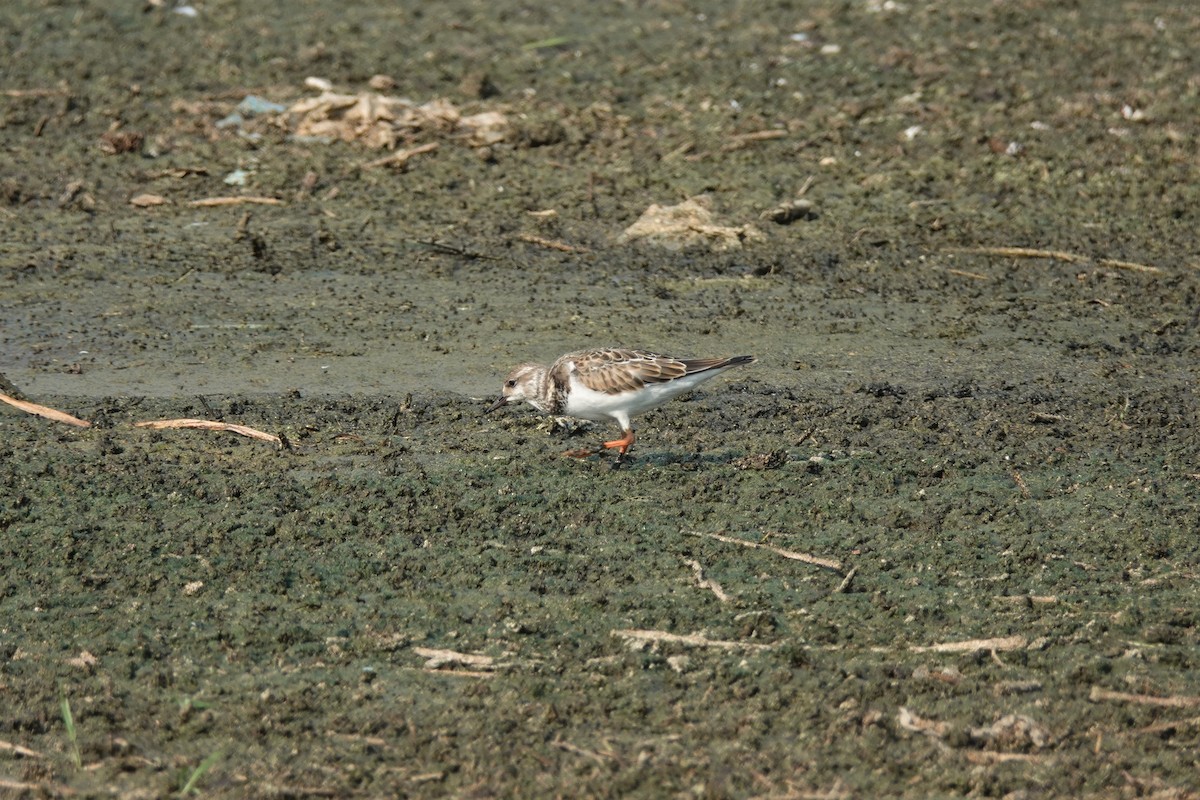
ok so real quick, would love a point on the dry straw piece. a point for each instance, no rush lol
(45, 411)
(209, 425)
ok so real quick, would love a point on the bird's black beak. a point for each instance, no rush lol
(501, 401)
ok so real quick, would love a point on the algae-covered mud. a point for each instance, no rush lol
(941, 540)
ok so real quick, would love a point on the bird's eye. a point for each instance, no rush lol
(511, 384)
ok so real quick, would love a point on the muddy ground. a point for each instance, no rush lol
(994, 449)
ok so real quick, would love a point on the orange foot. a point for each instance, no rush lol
(623, 443)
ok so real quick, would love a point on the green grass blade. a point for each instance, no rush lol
(69, 723)
(198, 772)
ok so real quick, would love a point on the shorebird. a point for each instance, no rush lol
(604, 385)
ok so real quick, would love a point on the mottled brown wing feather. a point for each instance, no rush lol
(613, 371)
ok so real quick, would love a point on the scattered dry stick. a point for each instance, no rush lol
(1020, 482)
(209, 425)
(935, 729)
(836, 792)
(450, 249)
(373, 741)
(845, 584)
(399, 159)
(1027, 599)
(599, 758)
(741, 140)
(970, 646)
(551, 243)
(962, 273)
(39, 788)
(427, 777)
(995, 757)
(19, 750)
(177, 172)
(827, 563)
(235, 201)
(438, 657)
(45, 411)
(1174, 701)
(485, 666)
(1130, 265)
(462, 673)
(1057, 255)
(1018, 252)
(706, 583)
(34, 92)
(1170, 725)
(285, 790)
(691, 640)
(160, 424)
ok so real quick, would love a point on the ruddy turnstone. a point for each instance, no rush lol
(615, 385)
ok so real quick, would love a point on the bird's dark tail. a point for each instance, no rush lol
(695, 365)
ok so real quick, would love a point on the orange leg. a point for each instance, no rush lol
(623, 443)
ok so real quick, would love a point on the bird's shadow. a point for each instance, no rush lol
(687, 461)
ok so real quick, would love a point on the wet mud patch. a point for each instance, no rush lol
(431, 599)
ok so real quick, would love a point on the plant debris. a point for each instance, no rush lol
(691, 224)
(383, 122)
(44, 411)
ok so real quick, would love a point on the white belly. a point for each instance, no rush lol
(586, 403)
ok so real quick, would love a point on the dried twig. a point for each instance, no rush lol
(1130, 265)
(427, 777)
(399, 159)
(551, 243)
(235, 201)
(1027, 599)
(372, 741)
(287, 790)
(34, 92)
(836, 792)
(935, 729)
(485, 666)
(45, 411)
(706, 583)
(462, 673)
(1057, 255)
(995, 757)
(760, 136)
(740, 140)
(691, 640)
(450, 249)
(970, 646)
(39, 788)
(1018, 252)
(845, 584)
(438, 658)
(962, 273)
(176, 172)
(599, 758)
(209, 425)
(1099, 693)
(827, 563)
(1170, 725)
(19, 750)
(148, 200)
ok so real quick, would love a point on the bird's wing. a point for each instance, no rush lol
(613, 371)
